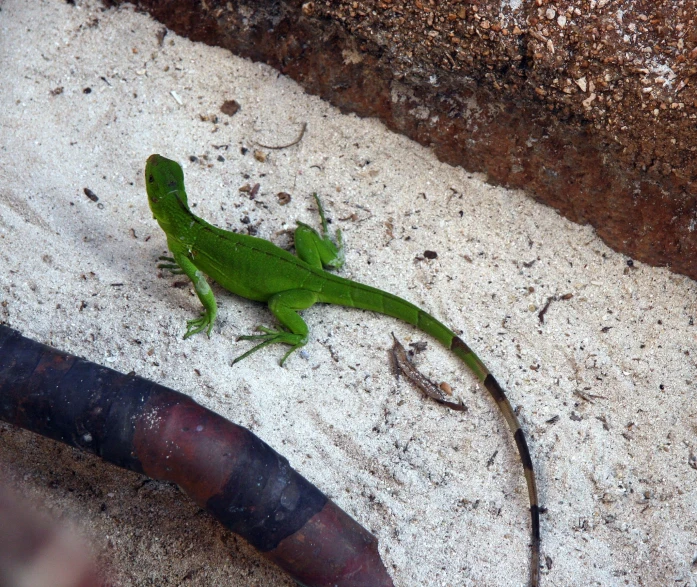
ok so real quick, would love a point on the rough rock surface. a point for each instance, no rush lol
(590, 106)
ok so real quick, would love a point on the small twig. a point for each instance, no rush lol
(543, 311)
(588, 397)
(405, 366)
(295, 142)
(491, 459)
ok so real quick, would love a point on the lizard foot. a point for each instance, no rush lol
(272, 337)
(170, 265)
(199, 325)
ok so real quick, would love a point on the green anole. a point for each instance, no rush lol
(258, 270)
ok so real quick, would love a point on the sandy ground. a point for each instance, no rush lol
(605, 386)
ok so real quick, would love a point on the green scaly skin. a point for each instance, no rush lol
(258, 270)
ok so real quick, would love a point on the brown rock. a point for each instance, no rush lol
(590, 107)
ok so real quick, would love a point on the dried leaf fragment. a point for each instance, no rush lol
(404, 365)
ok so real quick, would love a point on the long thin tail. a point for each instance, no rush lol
(449, 339)
(468, 356)
(357, 295)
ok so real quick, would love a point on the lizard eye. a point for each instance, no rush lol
(151, 178)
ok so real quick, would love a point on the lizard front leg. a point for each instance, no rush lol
(204, 293)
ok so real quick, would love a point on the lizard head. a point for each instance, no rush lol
(164, 182)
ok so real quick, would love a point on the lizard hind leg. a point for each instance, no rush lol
(284, 305)
(317, 250)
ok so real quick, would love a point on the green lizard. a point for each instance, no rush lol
(258, 270)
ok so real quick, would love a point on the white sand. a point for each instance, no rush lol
(614, 473)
